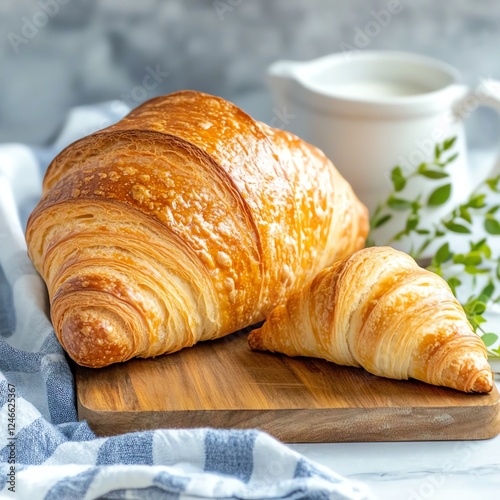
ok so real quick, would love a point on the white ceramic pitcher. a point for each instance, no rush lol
(372, 110)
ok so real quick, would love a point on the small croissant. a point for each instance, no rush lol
(379, 310)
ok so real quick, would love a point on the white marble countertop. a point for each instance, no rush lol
(424, 470)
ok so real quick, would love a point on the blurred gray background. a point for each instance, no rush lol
(55, 54)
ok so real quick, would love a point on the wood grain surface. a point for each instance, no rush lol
(224, 384)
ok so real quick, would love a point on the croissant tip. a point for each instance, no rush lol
(87, 331)
(483, 383)
(255, 340)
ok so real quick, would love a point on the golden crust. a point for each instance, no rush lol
(379, 310)
(185, 221)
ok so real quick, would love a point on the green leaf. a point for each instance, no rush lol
(398, 203)
(443, 254)
(477, 307)
(459, 258)
(422, 168)
(491, 225)
(423, 231)
(487, 291)
(481, 247)
(449, 143)
(473, 258)
(472, 269)
(412, 222)
(434, 174)
(399, 235)
(451, 159)
(380, 222)
(377, 211)
(437, 152)
(456, 228)
(416, 206)
(478, 245)
(439, 196)
(478, 320)
(398, 179)
(493, 183)
(493, 209)
(454, 282)
(465, 214)
(486, 251)
(477, 201)
(422, 248)
(489, 339)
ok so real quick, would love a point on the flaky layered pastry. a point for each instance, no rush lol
(379, 310)
(185, 221)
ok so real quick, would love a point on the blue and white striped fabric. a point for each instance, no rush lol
(46, 454)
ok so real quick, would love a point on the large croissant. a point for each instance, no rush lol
(185, 221)
(379, 310)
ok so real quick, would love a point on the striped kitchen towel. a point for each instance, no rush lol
(45, 453)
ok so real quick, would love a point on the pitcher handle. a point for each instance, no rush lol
(485, 93)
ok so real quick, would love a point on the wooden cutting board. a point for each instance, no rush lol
(223, 384)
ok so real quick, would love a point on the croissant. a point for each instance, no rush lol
(379, 310)
(185, 221)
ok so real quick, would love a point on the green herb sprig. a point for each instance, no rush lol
(478, 260)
